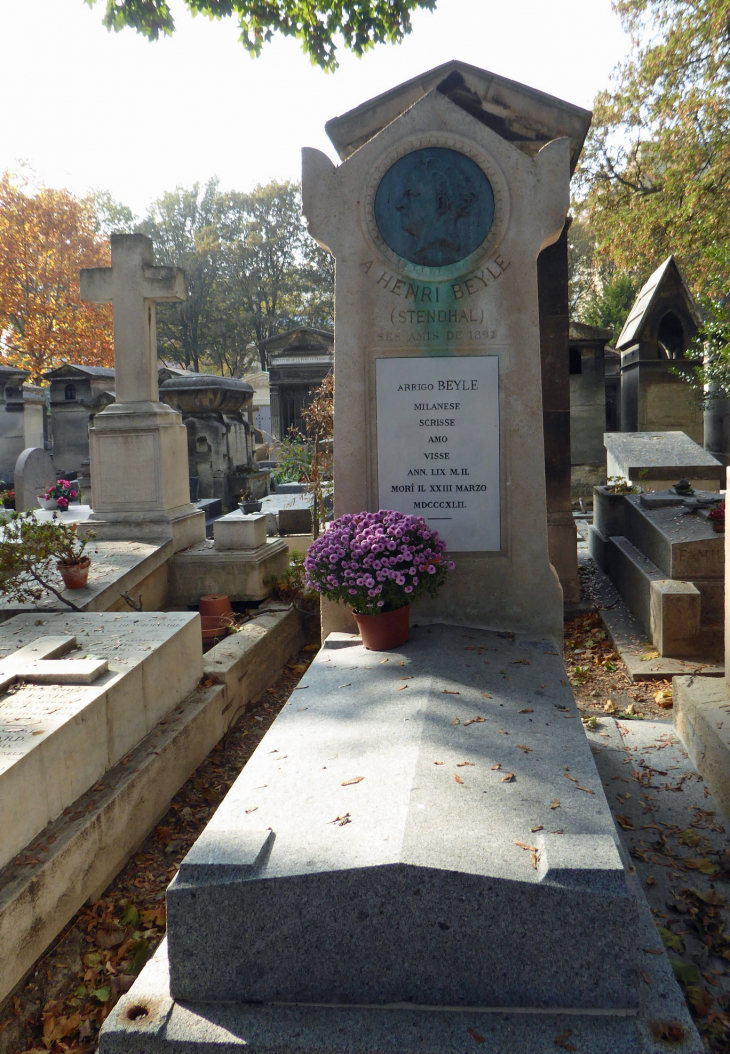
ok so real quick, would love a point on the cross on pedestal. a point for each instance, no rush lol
(133, 285)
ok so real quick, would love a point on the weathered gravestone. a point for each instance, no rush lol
(138, 445)
(421, 841)
(34, 474)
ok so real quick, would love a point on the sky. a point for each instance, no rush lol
(88, 109)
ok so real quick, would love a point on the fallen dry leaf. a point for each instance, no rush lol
(625, 822)
(524, 845)
(476, 1035)
(502, 732)
(486, 695)
(446, 691)
(653, 951)
(555, 804)
(355, 779)
(509, 778)
(462, 764)
(564, 683)
(521, 746)
(348, 685)
(569, 777)
(533, 860)
(526, 710)
(561, 1041)
(610, 707)
(646, 977)
(341, 820)
(458, 779)
(470, 647)
(255, 807)
(535, 829)
(402, 687)
(586, 789)
(474, 721)
(455, 721)
(497, 766)
(438, 762)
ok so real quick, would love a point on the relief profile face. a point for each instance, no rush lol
(434, 206)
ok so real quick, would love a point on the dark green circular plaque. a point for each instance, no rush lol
(434, 206)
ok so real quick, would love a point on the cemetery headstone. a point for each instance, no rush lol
(435, 224)
(138, 445)
(34, 473)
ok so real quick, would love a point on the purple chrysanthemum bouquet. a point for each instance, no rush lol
(377, 561)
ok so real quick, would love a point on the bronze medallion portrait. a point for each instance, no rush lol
(434, 207)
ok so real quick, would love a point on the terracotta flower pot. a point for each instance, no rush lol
(216, 604)
(213, 628)
(75, 576)
(384, 632)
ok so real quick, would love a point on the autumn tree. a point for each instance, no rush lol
(655, 177)
(317, 24)
(46, 237)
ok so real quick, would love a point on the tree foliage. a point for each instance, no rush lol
(252, 271)
(317, 24)
(46, 237)
(656, 171)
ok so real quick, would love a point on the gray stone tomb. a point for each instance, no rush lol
(658, 460)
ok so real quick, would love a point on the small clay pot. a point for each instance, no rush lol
(213, 628)
(216, 604)
(384, 632)
(75, 576)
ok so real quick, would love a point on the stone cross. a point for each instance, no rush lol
(34, 663)
(133, 285)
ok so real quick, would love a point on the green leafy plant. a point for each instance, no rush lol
(291, 586)
(29, 551)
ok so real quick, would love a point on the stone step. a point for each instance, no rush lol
(670, 611)
(396, 817)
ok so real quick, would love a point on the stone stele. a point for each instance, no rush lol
(437, 359)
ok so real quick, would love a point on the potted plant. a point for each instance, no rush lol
(30, 553)
(58, 496)
(8, 498)
(247, 504)
(71, 562)
(379, 563)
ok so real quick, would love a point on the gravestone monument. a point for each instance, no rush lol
(297, 362)
(138, 445)
(34, 473)
(419, 856)
(436, 223)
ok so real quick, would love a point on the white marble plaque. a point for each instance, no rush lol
(438, 445)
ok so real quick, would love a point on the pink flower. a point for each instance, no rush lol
(63, 503)
(74, 494)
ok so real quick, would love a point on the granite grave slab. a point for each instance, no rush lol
(439, 805)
